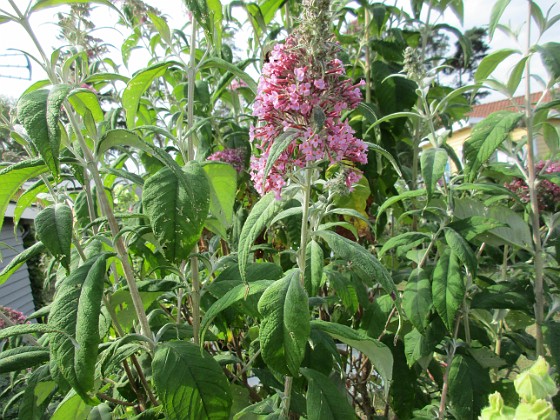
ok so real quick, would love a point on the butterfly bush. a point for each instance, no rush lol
(304, 94)
(235, 157)
(548, 193)
(16, 317)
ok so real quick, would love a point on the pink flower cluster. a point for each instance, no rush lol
(548, 193)
(308, 99)
(235, 157)
(15, 316)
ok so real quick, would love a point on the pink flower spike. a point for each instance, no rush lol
(299, 73)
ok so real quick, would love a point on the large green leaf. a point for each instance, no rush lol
(550, 55)
(177, 206)
(222, 179)
(136, 88)
(190, 383)
(377, 352)
(369, 267)
(486, 137)
(20, 358)
(259, 218)
(417, 298)
(433, 163)
(448, 288)
(39, 113)
(324, 400)
(212, 62)
(313, 267)
(405, 241)
(72, 407)
(45, 4)
(419, 347)
(38, 392)
(20, 259)
(84, 101)
(497, 12)
(13, 177)
(462, 249)
(239, 292)
(26, 199)
(491, 61)
(121, 137)
(75, 310)
(469, 386)
(54, 229)
(515, 231)
(285, 325)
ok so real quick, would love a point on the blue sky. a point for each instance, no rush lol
(477, 13)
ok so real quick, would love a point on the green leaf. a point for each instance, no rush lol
(39, 113)
(239, 292)
(404, 240)
(75, 310)
(419, 347)
(324, 400)
(497, 12)
(120, 137)
(54, 229)
(37, 395)
(285, 328)
(462, 249)
(471, 227)
(216, 62)
(550, 55)
(448, 288)
(161, 26)
(190, 383)
(259, 218)
(490, 62)
(395, 199)
(313, 267)
(378, 149)
(361, 260)
(469, 386)
(377, 352)
(516, 75)
(433, 163)
(515, 231)
(417, 299)
(84, 101)
(26, 199)
(20, 358)
(486, 137)
(45, 4)
(136, 87)
(72, 407)
(177, 206)
(28, 329)
(20, 259)
(278, 147)
(222, 179)
(552, 337)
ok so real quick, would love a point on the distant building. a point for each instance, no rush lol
(16, 293)
(479, 112)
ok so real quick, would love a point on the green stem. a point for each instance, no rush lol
(195, 272)
(306, 189)
(367, 18)
(534, 213)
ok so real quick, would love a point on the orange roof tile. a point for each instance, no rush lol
(483, 110)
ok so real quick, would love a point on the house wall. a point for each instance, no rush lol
(16, 291)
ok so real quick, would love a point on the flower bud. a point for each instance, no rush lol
(535, 383)
(537, 410)
(497, 410)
